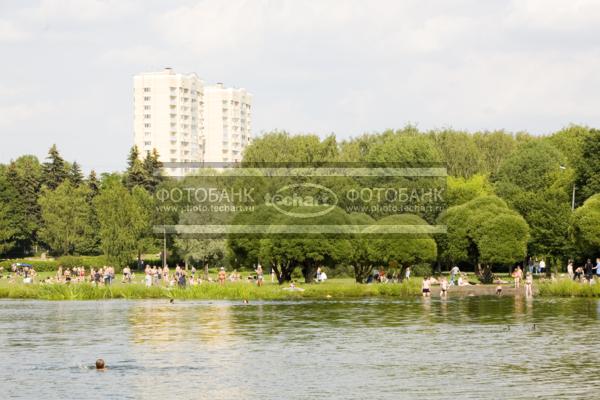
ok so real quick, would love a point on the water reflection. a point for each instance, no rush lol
(460, 347)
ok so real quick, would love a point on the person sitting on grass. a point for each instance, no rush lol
(293, 288)
(126, 275)
(578, 274)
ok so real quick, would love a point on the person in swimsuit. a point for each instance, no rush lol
(444, 288)
(529, 285)
(517, 275)
(259, 275)
(426, 287)
(222, 276)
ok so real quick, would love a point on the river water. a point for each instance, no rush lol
(469, 347)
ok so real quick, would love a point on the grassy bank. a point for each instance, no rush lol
(340, 289)
(568, 288)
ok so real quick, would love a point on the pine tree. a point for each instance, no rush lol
(93, 184)
(134, 156)
(153, 168)
(75, 174)
(136, 174)
(54, 170)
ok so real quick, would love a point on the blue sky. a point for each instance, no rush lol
(323, 66)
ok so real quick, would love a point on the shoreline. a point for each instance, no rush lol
(245, 291)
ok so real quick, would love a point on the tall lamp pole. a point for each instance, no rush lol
(562, 167)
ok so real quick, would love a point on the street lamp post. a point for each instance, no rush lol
(562, 167)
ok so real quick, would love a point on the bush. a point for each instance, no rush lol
(340, 271)
(39, 266)
(423, 269)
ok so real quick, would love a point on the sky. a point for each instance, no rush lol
(345, 67)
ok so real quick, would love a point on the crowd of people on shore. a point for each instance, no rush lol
(182, 277)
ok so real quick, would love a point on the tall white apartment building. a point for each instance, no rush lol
(168, 110)
(227, 121)
(187, 122)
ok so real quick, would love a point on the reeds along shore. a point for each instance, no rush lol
(569, 288)
(211, 291)
(245, 291)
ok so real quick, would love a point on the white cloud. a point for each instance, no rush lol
(555, 14)
(80, 10)
(9, 32)
(313, 65)
(11, 115)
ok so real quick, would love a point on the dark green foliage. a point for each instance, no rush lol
(588, 166)
(75, 174)
(483, 230)
(55, 170)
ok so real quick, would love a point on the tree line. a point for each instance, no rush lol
(507, 197)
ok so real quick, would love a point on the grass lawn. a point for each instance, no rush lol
(337, 288)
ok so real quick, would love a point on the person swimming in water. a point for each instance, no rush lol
(100, 364)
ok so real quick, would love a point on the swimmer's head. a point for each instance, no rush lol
(99, 363)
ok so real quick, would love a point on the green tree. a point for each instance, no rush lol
(493, 148)
(93, 184)
(123, 221)
(306, 251)
(136, 174)
(281, 147)
(413, 247)
(459, 152)
(25, 176)
(153, 171)
(460, 190)
(361, 244)
(483, 230)
(588, 167)
(55, 169)
(585, 227)
(9, 220)
(532, 182)
(75, 174)
(64, 213)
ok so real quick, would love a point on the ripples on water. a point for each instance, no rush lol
(473, 347)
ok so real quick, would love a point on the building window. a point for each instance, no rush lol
(147, 116)
(147, 125)
(147, 143)
(148, 133)
(146, 107)
(146, 98)
(147, 89)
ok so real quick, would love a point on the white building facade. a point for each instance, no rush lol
(187, 122)
(227, 120)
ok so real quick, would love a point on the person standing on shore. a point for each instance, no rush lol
(570, 269)
(407, 273)
(453, 273)
(259, 275)
(588, 268)
(518, 275)
(542, 266)
(272, 275)
(222, 276)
